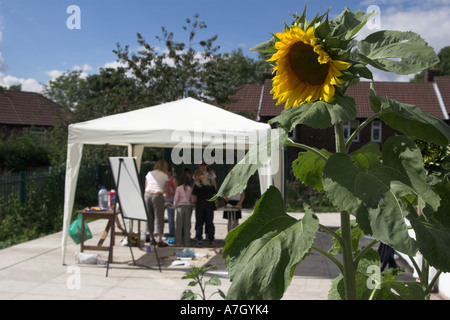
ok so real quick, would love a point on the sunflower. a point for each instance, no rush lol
(305, 71)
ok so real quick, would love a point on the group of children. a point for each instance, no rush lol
(163, 192)
(194, 193)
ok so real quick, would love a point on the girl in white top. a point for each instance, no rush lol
(156, 183)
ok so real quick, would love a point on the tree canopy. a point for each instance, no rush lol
(156, 73)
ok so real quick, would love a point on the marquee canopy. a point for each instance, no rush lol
(186, 123)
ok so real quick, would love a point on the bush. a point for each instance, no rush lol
(40, 215)
(22, 152)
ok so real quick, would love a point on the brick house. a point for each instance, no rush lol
(28, 110)
(433, 96)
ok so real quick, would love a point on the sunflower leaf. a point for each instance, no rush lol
(434, 242)
(308, 168)
(360, 194)
(319, 114)
(348, 23)
(236, 181)
(397, 51)
(378, 197)
(323, 30)
(411, 120)
(263, 252)
(265, 47)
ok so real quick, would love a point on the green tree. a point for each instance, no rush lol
(22, 151)
(174, 72)
(226, 72)
(193, 68)
(148, 77)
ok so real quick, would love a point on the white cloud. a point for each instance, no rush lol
(114, 65)
(84, 68)
(28, 84)
(55, 73)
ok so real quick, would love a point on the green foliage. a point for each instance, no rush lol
(196, 274)
(319, 114)
(308, 168)
(268, 235)
(41, 214)
(192, 68)
(22, 151)
(410, 120)
(236, 181)
(443, 65)
(378, 198)
(159, 72)
(382, 189)
(380, 47)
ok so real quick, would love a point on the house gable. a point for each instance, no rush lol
(25, 109)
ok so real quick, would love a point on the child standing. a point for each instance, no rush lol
(202, 191)
(183, 204)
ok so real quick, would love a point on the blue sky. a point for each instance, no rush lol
(36, 45)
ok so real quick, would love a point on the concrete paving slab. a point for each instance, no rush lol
(34, 270)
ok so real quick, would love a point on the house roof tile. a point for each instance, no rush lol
(443, 84)
(27, 108)
(420, 94)
(246, 99)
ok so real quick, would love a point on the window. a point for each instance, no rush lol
(349, 128)
(375, 135)
(293, 134)
(39, 133)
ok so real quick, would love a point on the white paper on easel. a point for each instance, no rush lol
(129, 191)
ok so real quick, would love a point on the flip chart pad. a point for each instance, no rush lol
(128, 189)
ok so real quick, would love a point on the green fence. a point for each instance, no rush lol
(31, 203)
(20, 184)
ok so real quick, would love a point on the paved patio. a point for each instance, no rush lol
(34, 270)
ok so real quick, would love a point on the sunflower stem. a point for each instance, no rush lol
(290, 143)
(355, 133)
(349, 272)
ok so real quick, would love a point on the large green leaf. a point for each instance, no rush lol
(397, 51)
(308, 168)
(236, 181)
(378, 197)
(367, 157)
(319, 114)
(377, 285)
(411, 120)
(382, 209)
(262, 253)
(442, 215)
(347, 24)
(434, 242)
(403, 155)
(360, 194)
(339, 176)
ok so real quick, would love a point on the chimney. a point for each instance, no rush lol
(431, 73)
(267, 75)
